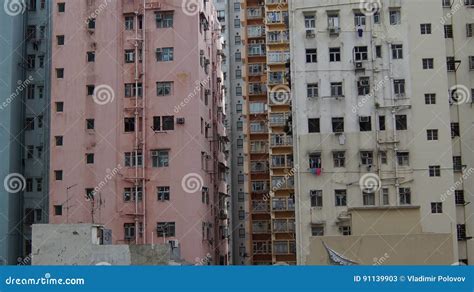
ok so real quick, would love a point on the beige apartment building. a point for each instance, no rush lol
(382, 134)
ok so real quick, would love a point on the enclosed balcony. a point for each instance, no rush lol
(280, 57)
(283, 183)
(284, 225)
(254, 12)
(257, 89)
(260, 207)
(278, 37)
(283, 204)
(261, 227)
(281, 140)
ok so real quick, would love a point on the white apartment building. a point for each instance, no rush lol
(371, 119)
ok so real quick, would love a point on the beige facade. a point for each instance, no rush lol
(372, 133)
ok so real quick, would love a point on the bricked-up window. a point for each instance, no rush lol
(313, 125)
(365, 124)
(461, 231)
(164, 88)
(58, 210)
(338, 125)
(459, 197)
(129, 125)
(166, 229)
(455, 131)
(425, 28)
(160, 158)
(457, 163)
(60, 40)
(163, 193)
(164, 19)
(340, 198)
(405, 196)
(432, 134)
(401, 122)
(129, 231)
(434, 170)
(59, 107)
(316, 198)
(436, 207)
(61, 7)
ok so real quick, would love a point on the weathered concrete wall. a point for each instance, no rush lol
(78, 244)
(413, 249)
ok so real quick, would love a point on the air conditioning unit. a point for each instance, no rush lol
(174, 243)
(334, 30)
(180, 121)
(310, 34)
(359, 66)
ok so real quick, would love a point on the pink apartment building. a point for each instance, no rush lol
(137, 134)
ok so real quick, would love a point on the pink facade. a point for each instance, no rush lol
(184, 153)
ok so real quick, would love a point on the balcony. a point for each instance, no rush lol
(261, 227)
(283, 183)
(255, 31)
(260, 187)
(280, 140)
(278, 57)
(278, 119)
(284, 225)
(275, 78)
(258, 128)
(259, 167)
(277, 17)
(258, 147)
(278, 37)
(257, 89)
(254, 12)
(276, 2)
(260, 207)
(256, 50)
(283, 204)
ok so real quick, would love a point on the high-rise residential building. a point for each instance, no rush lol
(382, 176)
(268, 143)
(24, 121)
(230, 15)
(137, 129)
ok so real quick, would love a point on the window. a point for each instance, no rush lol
(129, 231)
(29, 185)
(316, 198)
(91, 23)
(437, 208)
(365, 124)
(368, 198)
(378, 51)
(455, 131)
(333, 20)
(339, 158)
(61, 7)
(377, 17)
(131, 194)
(397, 52)
(446, 3)
(363, 86)
(361, 54)
(401, 122)
(129, 125)
(30, 91)
(457, 163)
(428, 63)
(91, 57)
(165, 229)
(310, 21)
(448, 31)
(345, 230)
(403, 158)
(58, 210)
(382, 123)
(383, 157)
(59, 140)
(399, 87)
(59, 106)
(405, 196)
(340, 197)
(129, 22)
(90, 124)
(164, 19)
(385, 196)
(430, 98)
(58, 174)
(311, 56)
(334, 54)
(60, 73)
(366, 158)
(168, 123)
(163, 193)
(469, 30)
(129, 56)
(450, 64)
(434, 170)
(133, 90)
(60, 40)
(359, 19)
(29, 124)
(312, 90)
(461, 231)
(90, 158)
(395, 16)
(164, 54)
(336, 89)
(160, 158)
(315, 160)
(471, 63)
(425, 28)
(338, 125)
(133, 159)
(432, 134)
(459, 197)
(313, 125)
(164, 88)
(317, 230)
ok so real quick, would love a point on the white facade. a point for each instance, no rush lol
(378, 84)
